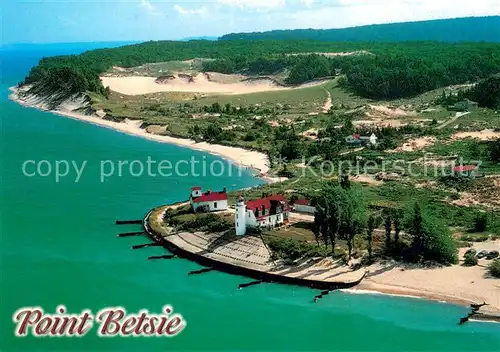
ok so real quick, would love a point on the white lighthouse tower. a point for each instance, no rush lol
(241, 217)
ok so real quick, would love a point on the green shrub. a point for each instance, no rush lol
(494, 268)
(201, 222)
(474, 238)
(470, 258)
(480, 223)
(291, 249)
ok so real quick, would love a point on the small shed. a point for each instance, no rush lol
(304, 206)
(469, 171)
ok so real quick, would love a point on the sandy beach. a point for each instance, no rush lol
(454, 284)
(243, 157)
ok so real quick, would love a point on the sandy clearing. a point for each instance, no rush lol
(484, 135)
(311, 133)
(390, 111)
(414, 145)
(367, 179)
(240, 156)
(379, 123)
(138, 85)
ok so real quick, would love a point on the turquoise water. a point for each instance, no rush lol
(59, 246)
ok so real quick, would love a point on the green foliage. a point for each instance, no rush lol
(480, 222)
(494, 149)
(214, 133)
(494, 268)
(308, 68)
(289, 248)
(288, 143)
(394, 71)
(449, 30)
(202, 222)
(470, 258)
(474, 238)
(406, 74)
(431, 239)
(487, 92)
(340, 213)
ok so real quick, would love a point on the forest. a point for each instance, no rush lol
(469, 29)
(385, 71)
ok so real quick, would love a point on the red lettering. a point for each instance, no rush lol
(28, 317)
(174, 326)
(43, 326)
(84, 327)
(128, 326)
(151, 325)
(111, 319)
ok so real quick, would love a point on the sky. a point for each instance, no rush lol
(55, 21)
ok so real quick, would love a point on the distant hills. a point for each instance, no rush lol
(469, 29)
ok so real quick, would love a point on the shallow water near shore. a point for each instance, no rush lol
(59, 246)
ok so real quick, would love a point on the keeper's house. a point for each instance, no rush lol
(209, 201)
(269, 212)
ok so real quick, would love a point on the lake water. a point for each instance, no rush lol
(59, 246)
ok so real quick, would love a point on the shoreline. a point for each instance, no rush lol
(246, 158)
(368, 285)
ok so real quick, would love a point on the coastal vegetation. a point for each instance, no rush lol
(403, 93)
(494, 268)
(384, 71)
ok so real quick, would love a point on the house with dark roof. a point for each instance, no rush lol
(209, 201)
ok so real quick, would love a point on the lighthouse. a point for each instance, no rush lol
(240, 220)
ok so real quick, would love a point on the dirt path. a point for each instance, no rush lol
(328, 103)
(457, 116)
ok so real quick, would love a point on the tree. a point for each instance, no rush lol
(319, 221)
(470, 258)
(480, 222)
(372, 223)
(487, 92)
(388, 229)
(494, 149)
(431, 239)
(339, 211)
(397, 217)
(494, 268)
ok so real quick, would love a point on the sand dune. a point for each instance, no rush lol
(200, 83)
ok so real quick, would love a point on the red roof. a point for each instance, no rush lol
(211, 197)
(465, 168)
(357, 136)
(196, 189)
(266, 202)
(302, 202)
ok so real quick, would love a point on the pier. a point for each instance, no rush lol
(129, 222)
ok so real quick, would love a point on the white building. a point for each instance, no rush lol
(209, 201)
(304, 206)
(267, 212)
(357, 140)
